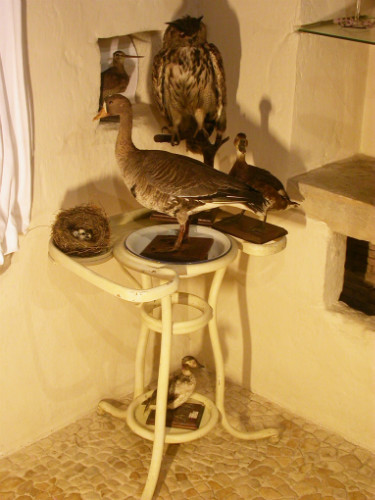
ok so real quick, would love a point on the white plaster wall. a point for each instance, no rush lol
(294, 344)
(64, 344)
(368, 124)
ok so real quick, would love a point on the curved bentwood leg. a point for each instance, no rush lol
(161, 399)
(219, 366)
(106, 406)
(139, 384)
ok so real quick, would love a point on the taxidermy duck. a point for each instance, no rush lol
(174, 184)
(181, 385)
(259, 178)
(114, 79)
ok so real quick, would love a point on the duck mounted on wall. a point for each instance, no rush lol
(174, 184)
(181, 385)
(259, 178)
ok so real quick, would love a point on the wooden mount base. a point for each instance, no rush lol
(191, 250)
(250, 229)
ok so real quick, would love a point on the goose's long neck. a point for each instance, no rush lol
(124, 143)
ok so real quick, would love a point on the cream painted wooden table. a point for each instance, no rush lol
(163, 295)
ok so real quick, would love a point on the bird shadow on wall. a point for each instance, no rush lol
(267, 151)
(110, 193)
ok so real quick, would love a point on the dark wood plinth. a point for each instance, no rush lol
(250, 229)
(191, 250)
(187, 416)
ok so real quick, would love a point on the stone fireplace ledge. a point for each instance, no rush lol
(341, 194)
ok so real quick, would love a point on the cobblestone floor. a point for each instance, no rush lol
(98, 457)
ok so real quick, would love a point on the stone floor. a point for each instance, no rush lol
(98, 457)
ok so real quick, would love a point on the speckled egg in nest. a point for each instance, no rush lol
(82, 231)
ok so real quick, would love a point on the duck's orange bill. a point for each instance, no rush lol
(102, 113)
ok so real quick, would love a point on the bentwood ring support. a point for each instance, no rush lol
(163, 296)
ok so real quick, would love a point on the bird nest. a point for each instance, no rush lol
(82, 231)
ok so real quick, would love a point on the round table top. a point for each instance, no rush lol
(127, 250)
(131, 222)
(224, 250)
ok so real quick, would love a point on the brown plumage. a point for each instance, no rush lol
(189, 83)
(259, 178)
(181, 385)
(114, 79)
(173, 184)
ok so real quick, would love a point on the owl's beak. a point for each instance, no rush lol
(102, 113)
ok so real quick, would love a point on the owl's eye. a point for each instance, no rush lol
(182, 35)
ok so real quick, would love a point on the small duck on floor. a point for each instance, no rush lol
(181, 385)
(259, 178)
(174, 184)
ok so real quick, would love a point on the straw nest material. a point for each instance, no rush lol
(82, 231)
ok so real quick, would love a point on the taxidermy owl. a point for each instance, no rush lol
(189, 85)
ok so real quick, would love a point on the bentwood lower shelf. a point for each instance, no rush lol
(157, 294)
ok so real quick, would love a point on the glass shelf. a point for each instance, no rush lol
(330, 28)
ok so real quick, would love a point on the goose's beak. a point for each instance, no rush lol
(102, 113)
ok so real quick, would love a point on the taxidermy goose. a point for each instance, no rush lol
(115, 78)
(259, 178)
(173, 184)
(181, 385)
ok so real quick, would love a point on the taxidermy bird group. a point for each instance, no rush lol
(189, 86)
(174, 184)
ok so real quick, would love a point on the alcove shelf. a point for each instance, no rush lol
(330, 28)
(341, 194)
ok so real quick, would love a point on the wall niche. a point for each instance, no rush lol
(358, 290)
(141, 47)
